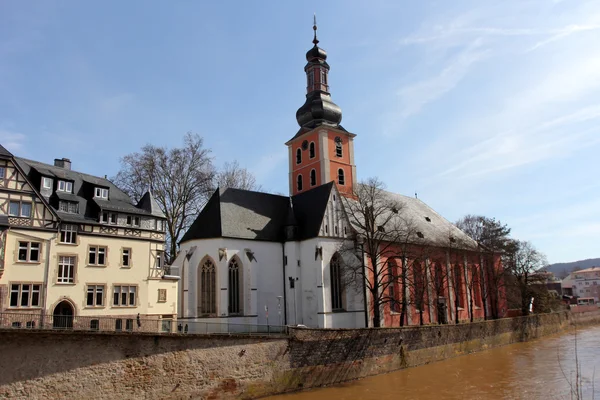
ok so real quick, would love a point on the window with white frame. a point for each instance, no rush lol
(68, 233)
(2, 172)
(335, 271)
(68, 206)
(25, 295)
(97, 255)
(126, 258)
(113, 218)
(159, 225)
(46, 182)
(95, 296)
(136, 221)
(208, 292)
(65, 186)
(124, 296)
(129, 220)
(101, 193)
(235, 285)
(29, 251)
(66, 269)
(19, 209)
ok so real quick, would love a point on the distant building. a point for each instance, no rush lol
(583, 284)
(74, 247)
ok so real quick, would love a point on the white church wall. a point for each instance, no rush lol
(262, 278)
(316, 288)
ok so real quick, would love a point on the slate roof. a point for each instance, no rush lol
(83, 192)
(236, 213)
(149, 204)
(245, 214)
(419, 217)
(4, 152)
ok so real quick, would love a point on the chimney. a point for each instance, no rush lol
(62, 163)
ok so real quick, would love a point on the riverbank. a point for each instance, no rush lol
(537, 369)
(41, 364)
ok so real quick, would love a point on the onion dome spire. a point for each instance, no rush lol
(318, 109)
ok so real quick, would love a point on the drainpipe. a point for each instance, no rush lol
(284, 284)
(46, 277)
(364, 284)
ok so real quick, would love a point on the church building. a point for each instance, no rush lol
(260, 258)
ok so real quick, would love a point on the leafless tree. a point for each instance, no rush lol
(234, 176)
(180, 179)
(384, 236)
(524, 263)
(492, 237)
(439, 285)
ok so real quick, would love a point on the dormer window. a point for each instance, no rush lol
(68, 206)
(101, 193)
(46, 182)
(65, 186)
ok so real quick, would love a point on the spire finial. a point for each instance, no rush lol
(315, 40)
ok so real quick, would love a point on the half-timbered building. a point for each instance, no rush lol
(74, 247)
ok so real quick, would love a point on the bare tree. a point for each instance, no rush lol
(387, 238)
(524, 262)
(439, 285)
(384, 235)
(492, 238)
(180, 179)
(234, 176)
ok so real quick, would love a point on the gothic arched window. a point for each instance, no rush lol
(313, 177)
(311, 150)
(299, 183)
(341, 179)
(298, 155)
(234, 273)
(207, 283)
(335, 271)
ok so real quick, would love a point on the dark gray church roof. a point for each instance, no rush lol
(245, 214)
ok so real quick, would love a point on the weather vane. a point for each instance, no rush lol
(315, 40)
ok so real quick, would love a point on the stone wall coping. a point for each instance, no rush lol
(233, 336)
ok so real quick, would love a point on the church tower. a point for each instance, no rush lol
(322, 150)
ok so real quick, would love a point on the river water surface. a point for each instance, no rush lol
(540, 369)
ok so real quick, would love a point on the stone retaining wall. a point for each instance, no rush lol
(41, 364)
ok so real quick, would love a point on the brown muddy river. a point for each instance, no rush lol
(541, 369)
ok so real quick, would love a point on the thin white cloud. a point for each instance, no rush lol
(13, 141)
(416, 96)
(563, 33)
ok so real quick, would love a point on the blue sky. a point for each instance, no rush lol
(481, 107)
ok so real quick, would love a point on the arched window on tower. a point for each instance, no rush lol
(338, 148)
(341, 179)
(298, 155)
(311, 79)
(311, 150)
(313, 177)
(299, 183)
(207, 300)
(337, 289)
(234, 287)
(323, 77)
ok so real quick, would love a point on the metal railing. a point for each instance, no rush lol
(131, 324)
